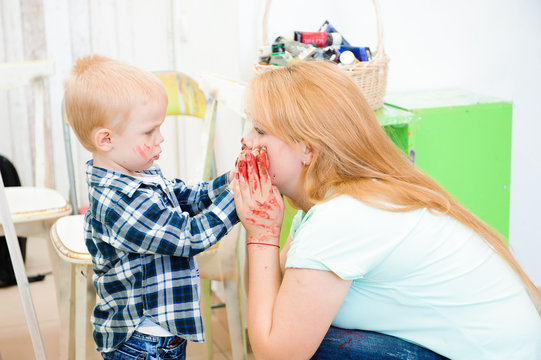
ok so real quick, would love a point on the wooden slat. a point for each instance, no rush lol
(19, 74)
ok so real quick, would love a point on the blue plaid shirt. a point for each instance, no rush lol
(143, 239)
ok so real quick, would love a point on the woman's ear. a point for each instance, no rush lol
(307, 154)
(102, 139)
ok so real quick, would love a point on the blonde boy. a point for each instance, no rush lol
(142, 230)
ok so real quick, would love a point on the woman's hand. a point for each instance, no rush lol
(259, 204)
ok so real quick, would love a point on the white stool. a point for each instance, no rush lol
(76, 291)
(221, 263)
(35, 209)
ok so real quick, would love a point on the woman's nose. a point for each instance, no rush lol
(247, 141)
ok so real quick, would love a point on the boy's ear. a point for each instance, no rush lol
(102, 139)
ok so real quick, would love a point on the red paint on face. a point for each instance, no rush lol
(143, 151)
(139, 151)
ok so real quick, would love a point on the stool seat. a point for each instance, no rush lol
(68, 238)
(76, 292)
(35, 203)
(34, 209)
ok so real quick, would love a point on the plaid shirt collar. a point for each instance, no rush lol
(100, 177)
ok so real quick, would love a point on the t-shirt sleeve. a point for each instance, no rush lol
(343, 236)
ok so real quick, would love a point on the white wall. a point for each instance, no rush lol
(490, 47)
(480, 45)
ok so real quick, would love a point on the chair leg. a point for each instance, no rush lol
(206, 315)
(85, 299)
(64, 284)
(234, 319)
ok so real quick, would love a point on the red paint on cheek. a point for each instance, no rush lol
(146, 148)
(139, 151)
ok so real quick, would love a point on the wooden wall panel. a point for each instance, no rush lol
(144, 33)
(16, 107)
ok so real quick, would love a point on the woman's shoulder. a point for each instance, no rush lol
(342, 204)
(345, 207)
(347, 215)
(343, 214)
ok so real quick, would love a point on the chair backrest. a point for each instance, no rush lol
(185, 98)
(13, 75)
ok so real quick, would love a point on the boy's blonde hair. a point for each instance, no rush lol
(100, 92)
(319, 104)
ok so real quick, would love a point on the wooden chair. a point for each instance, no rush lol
(33, 209)
(218, 263)
(77, 296)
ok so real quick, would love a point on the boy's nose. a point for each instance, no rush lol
(160, 138)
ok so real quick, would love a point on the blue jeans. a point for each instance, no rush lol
(147, 347)
(367, 345)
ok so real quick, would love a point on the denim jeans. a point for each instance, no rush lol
(147, 347)
(367, 345)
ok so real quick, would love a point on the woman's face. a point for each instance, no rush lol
(285, 161)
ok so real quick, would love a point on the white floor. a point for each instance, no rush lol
(15, 342)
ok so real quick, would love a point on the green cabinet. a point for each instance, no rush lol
(461, 139)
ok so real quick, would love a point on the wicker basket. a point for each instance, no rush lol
(370, 76)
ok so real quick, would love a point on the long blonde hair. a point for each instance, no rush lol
(318, 103)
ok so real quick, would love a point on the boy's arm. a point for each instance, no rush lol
(198, 197)
(146, 224)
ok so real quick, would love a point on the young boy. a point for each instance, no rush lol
(142, 230)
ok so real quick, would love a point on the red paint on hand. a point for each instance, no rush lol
(264, 206)
(261, 214)
(263, 160)
(252, 167)
(243, 170)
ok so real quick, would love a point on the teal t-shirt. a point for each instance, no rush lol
(423, 277)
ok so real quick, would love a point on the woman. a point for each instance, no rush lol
(377, 245)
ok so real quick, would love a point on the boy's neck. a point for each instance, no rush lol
(104, 162)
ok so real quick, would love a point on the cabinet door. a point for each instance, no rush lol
(463, 141)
